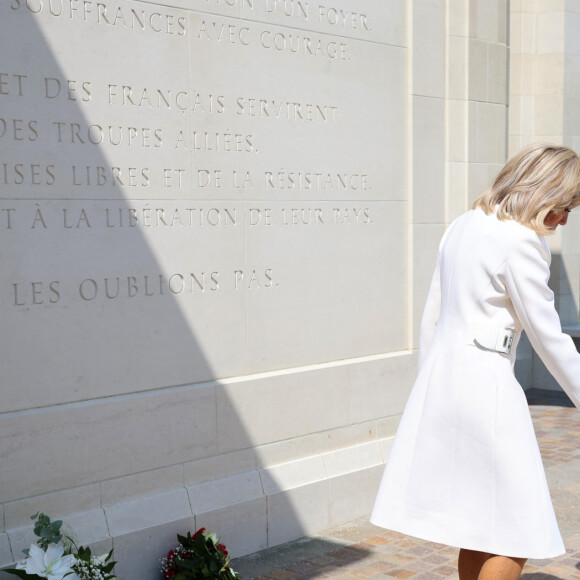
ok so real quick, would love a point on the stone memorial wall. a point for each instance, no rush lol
(196, 194)
(205, 250)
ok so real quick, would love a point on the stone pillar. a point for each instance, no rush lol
(544, 106)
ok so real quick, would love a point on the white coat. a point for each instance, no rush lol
(465, 468)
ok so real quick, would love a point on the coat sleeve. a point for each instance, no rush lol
(430, 315)
(527, 274)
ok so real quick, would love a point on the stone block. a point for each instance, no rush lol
(523, 32)
(147, 512)
(481, 177)
(380, 22)
(6, 557)
(571, 236)
(458, 18)
(101, 547)
(429, 48)
(515, 144)
(387, 427)
(21, 539)
(286, 476)
(572, 74)
(528, 118)
(284, 452)
(551, 36)
(426, 238)
(380, 388)
(487, 139)
(478, 69)
(386, 445)
(515, 80)
(57, 505)
(488, 21)
(497, 55)
(219, 466)
(457, 67)
(456, 195)
(327, 330)
(242, 527)
(515, 116)
(491, 134)
(457, 130)
(281, 452)
(354, 459)
(313, 400)
(428, 159)
(549, 114)
(210, 495)
(571, 23)
(550, 74)
(554, 5)
(88, 528)
(156, 429)
(503, 19)
(353, 495)
(571, 115)
(298, 512)
(149, 483)
(138, 553)
(350, 434)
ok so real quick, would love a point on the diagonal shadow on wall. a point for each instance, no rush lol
(118, 320)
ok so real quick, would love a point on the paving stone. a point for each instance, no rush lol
(444, 571)
(378, 540)
(401, 574)
(435, 559)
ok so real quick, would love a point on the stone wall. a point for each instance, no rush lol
(219, 220)
(544, 106)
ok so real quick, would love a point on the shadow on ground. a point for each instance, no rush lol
(539, 576)
(308, 557)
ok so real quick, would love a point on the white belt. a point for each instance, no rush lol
(493, 338)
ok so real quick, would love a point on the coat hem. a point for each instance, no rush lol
(419, 530)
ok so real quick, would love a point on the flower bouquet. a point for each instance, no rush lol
(198, 557)
(55, 557)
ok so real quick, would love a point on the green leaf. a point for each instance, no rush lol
(21, 574)
(189, 563)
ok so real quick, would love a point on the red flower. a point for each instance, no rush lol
(222, 549)
(200, 531)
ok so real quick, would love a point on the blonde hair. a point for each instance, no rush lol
(538, 179)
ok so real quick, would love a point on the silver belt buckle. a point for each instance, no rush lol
(507, 341)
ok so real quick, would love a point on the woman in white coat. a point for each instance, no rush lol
(465, 469)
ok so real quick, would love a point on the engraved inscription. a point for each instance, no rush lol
(186, 283)
(106, 14)
(286, 110)
(168, 217)
(299, 43)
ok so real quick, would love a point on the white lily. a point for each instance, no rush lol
(50, 564)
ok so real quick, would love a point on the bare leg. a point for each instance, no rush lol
(482, 566)
(471, 563)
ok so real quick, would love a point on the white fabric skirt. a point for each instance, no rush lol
(465, 469)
